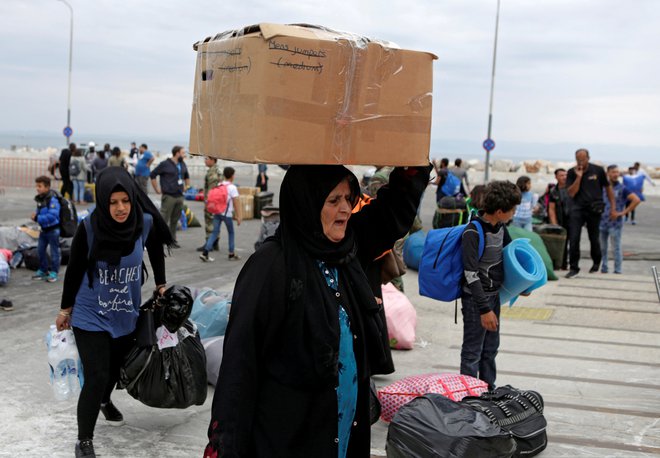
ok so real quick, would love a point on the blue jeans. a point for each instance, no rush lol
(523, 224)
(51, 238)
(613, 233)
(479, 346)
(217, 219)
(79, 190)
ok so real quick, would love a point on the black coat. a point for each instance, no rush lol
(65, 161)
(256, 415)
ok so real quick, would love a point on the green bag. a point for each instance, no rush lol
(537, 242)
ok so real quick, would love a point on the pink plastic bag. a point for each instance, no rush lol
(401, 318)
(452, 386)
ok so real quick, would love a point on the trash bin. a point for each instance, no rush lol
(261, 200)
(554, 238)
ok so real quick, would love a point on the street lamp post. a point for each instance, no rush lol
(68, 102)
(492, 88)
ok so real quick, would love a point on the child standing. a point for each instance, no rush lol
(625, 201)
(523, 215)
(233, 205)
(484, 276)
(48, 217)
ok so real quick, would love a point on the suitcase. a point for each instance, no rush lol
(518, 412)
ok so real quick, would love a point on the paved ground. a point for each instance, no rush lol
(595, 359)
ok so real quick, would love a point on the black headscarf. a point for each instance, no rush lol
(112, 240)
(311, 308)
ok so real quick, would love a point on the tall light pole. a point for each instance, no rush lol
(489, 144)
(67, 129)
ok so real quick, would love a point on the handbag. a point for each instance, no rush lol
(597, 207)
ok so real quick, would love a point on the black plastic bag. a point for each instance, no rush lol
(174, 307)
(435, 426)
(174, 377)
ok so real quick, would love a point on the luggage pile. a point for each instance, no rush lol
(506, 422)
(451, 386)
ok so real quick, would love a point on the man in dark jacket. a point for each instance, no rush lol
(559, 208)
(65, 160)
(585, 184)
(174, 179)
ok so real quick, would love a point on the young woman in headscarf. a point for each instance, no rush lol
(305, 331)
(101, 293)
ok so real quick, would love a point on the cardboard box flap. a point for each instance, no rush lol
(269, 31)
(306, 31)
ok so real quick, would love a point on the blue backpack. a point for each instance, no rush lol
(452, 185)
(441, 267)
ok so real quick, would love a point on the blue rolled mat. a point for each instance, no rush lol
(524, 270)
(413, 248)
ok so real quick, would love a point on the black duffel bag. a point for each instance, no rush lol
(435, 426)
(172, 377)
(519, 412)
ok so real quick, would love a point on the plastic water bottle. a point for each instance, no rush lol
(58, 366)
(64, 361)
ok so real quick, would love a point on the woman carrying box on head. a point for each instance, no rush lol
(305, 331)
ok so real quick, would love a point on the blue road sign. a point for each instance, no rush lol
(489, 144)
(68, 131)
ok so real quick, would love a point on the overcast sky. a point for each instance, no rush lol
(569, 73)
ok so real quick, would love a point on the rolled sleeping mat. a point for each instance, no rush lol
(524, 270)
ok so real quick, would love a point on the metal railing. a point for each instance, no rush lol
(21, 172)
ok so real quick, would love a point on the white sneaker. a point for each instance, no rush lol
(206, 258)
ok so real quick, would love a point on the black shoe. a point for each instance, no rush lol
(572, 273)
(216, 245)
(85, 448)
(112, 414)
(201, 249)
(176, 245)
(594, 269)
(6, 305)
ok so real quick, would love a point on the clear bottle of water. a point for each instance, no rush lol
(74, 374)
(59, 377)
(65, 368)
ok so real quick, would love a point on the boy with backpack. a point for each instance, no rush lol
(221, 202)
(48, 217)
(483, 269)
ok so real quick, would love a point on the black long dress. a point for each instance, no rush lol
(257, 410)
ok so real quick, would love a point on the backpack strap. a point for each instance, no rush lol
(482, 246)
(482, 241)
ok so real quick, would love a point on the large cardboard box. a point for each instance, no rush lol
(307, 95)
(247, 206)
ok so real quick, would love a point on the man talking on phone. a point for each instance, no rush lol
(585, 183)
